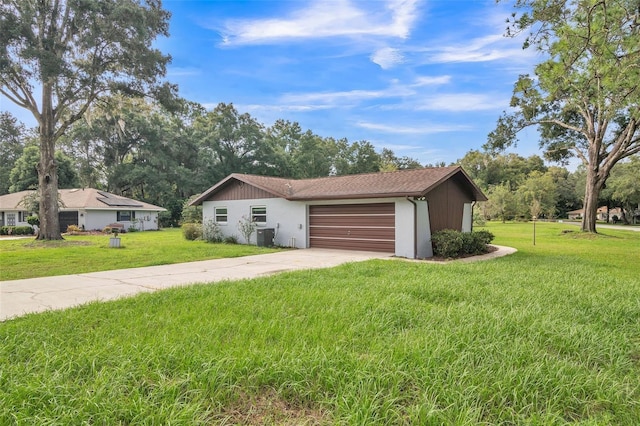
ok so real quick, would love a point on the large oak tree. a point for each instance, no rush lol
(57, 57)
(585, 96)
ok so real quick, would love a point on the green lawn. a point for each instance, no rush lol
(549, 335)
(28, 258)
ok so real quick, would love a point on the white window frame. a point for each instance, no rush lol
(11, 219)
(262, 213)
(217, 215)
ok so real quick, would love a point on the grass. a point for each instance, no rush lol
(549, 335)
(28, 258)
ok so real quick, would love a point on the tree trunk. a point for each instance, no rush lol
(48, 192)
(591, 196)
(47, 172)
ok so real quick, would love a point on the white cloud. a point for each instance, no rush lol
(432, 81)
(346, 96)
(387, 57)
(325, 18)
(488, 48)
(455, 102)
(284, 108)
(417, 130)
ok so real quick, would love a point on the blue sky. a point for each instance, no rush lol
(427, 79)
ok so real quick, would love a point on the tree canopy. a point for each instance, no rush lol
(585, 95)
(58, 57)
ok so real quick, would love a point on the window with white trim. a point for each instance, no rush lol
(259, 214)
(220, 215)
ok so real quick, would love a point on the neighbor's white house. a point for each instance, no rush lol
(393, 212)
(88, 208)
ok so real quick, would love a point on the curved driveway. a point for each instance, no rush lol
(21, 297)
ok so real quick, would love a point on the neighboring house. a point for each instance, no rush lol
(394, 212)
(88, 208)
(603, 213)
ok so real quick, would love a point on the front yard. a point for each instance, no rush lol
(27, 258)
(549, 335)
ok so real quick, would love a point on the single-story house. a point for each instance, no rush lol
(601, 214)
(87, 208)
(394, 212)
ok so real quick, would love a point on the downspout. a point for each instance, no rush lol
(473, 204)
(415, 227)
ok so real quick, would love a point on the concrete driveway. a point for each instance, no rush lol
(20, 297)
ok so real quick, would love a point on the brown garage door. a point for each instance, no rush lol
(369, 227)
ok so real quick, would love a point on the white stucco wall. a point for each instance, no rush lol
(287, 218)
(405, 236)
(98, 219)
(467, 217)
(412, 244)
(425, 249)
(16, 215)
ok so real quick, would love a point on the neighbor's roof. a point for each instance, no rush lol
(85, 198)
(402, 183)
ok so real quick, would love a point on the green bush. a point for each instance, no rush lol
(447, 243)
(485, 236)
(192, 231)
(23, 230)
(450, 244)
(211, 232)
(33, 220)
(4, 230)
(232, 239)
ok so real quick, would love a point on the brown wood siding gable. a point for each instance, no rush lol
(237, 190)
(446, 205)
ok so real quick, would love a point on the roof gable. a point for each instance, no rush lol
(403, 183)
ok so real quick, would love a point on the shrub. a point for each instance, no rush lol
(4, 230)
(72, 229)
(247, 227)
(485, 236)
(33, 220)
(231, 239)
(107, 230)
(132, 229)
(21, 230)
(192, 231)
(211, 232)
(449, 243)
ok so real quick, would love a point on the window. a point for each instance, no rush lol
(259, 214)
(11, 219)
(220, 215)
(125, 216)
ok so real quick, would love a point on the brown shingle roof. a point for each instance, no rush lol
(402, 183)
(87, 198)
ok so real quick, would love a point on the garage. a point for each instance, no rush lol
(66, 219)
(367, 227)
